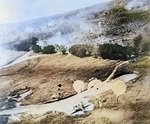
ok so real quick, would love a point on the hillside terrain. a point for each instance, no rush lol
(91, 25)
(88, 66)
(44, 79)
(130, 108)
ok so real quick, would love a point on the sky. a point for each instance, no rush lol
(12, 11)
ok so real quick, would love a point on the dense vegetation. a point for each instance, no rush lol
(120, 15)
(37, 49)
(115, 51)
(50, 49)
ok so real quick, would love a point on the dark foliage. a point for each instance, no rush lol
(37, 48)
(119, 15)
(50, 49)
(63, 49)
(115, 51)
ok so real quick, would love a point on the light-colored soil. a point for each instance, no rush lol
(133, 104)
(114, 104)
(51, 77)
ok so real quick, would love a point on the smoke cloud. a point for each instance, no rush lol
(7, 56)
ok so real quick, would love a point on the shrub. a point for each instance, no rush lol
(138, 16)
(78, 50)
(50, 49)
(119, 15)
(81, 52)
(115, 51)
(63, 49)
(37, 48)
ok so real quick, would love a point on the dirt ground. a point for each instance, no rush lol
(130, 108)
(47, 72)
(133, 106)
(50, 77)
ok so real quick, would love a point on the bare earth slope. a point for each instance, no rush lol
(50, 77)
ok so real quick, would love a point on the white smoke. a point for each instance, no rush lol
(3, 57)
(57, 39)
(7, 56)
(59, 30)
(134, 3)
(131, 4)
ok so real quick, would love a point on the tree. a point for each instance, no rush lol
(115, 51)
(50, 49)
(63, 49)
(37, 48)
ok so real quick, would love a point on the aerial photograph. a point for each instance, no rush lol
(74, 61)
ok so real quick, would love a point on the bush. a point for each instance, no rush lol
(138, 16)
(63, 49)
(50, 49)
(81, 52)
(119, 15)
(115, 51)
(37, 48)
(78, 50)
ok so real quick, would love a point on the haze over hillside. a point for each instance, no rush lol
(70, 22)
(100, 52)
(82, 26)
(56, 29)
(68, 25)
